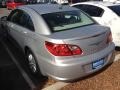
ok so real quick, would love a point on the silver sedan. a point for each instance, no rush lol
(60, 41)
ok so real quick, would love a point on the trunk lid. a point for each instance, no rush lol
(90, 38)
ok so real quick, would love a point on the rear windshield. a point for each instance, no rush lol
(66, 20)
(115, 9)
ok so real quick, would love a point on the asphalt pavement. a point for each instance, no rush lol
(10, 76)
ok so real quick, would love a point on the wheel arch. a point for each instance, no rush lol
(39, 66)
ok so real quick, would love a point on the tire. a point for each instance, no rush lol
(117, 48)
(32, 64)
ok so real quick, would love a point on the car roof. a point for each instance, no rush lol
(103, 3)
(48, 8)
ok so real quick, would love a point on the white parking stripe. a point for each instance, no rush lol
(56, 86)
(24, 74)
(117, 57)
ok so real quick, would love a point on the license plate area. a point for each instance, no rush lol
(98, 63)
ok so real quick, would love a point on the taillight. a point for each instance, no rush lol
(63, 49)
(109, 38)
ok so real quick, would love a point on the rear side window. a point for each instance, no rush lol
(66, 20)
(115, 9)
(21, 18)
(30, 25)
(91, 10)
(25, 21)
(15, 16)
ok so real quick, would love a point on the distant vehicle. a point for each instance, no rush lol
(60, 41)
(113, 1)
(12, 4)
(31, 1)
(2, 3)
(106, 13)
(62, 1)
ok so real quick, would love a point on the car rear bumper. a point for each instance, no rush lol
(82, 66)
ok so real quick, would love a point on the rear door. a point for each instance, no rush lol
(17, 25)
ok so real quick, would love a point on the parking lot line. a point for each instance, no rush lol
(56, 86)
(117, 57)
(24, 74)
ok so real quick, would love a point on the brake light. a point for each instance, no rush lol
(63, 49)
(109, 39)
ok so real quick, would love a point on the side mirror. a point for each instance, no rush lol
(4, 18)
(3, 21)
